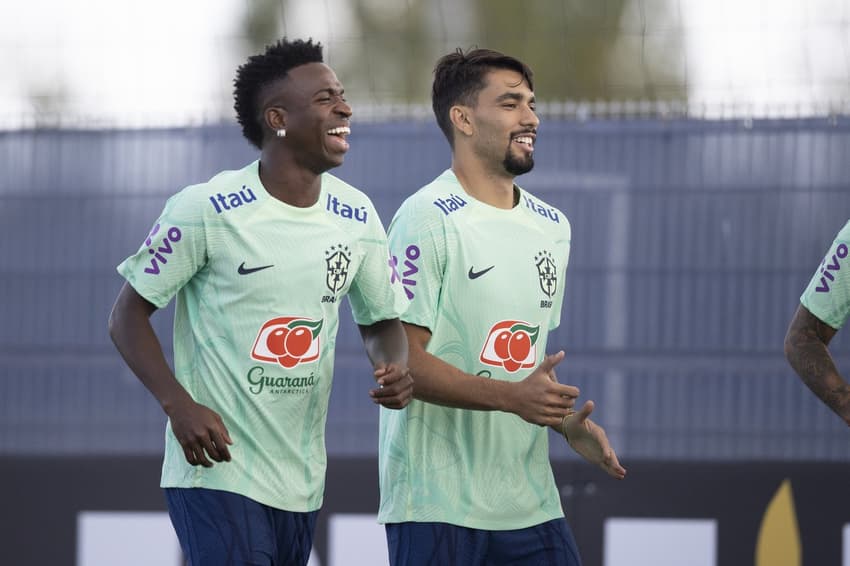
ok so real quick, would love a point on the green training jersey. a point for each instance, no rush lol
(488, 283)
(828, 294)
(258, 285)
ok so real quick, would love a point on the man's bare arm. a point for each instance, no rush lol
(806, 348)
(538, 398)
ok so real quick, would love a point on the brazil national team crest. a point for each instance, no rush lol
(546, 273)
(511, 344)
(288, 341)
(338, 260)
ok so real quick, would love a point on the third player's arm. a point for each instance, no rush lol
(538, 399)
(806, 348)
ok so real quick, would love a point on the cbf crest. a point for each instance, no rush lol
(547, 276)
(338, 260)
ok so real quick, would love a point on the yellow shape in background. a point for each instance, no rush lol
(779, 536)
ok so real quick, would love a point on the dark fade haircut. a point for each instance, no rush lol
(262, 70)
(459, 77)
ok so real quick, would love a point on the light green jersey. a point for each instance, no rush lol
(258, 286)
(488, 283)
(828, 294)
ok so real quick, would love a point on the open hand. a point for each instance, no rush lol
(589, 439)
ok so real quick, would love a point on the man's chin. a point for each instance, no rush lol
(518, 167)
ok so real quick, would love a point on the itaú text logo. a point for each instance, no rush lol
(511, 344)
(288, 341)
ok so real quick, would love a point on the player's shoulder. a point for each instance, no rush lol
(224, 192)
(548, 216)
(438, 199)
(347, 203)
(334, 185)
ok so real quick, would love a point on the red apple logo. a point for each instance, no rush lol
(288, 341)
(511, 345)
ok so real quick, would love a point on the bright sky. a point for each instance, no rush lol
(128, 61)
(167, 61)
(770, 53)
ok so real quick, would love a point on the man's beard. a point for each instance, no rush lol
(517, 165)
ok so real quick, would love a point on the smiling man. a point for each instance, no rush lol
(258, 260)
(464, 469)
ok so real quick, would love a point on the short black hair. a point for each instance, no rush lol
(260, 71)
(459, 77)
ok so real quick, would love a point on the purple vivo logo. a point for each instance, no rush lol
(412, 254)
(826, 269)
(162, 249)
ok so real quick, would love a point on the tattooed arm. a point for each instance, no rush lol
(806, 350)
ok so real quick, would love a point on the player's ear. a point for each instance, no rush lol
(274, 118)
(460, 117)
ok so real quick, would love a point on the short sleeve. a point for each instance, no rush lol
(375, 295)
(173, 251)
(828, 294)
(418, 247)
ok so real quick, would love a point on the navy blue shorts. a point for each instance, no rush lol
(222, 528)
(429, 544)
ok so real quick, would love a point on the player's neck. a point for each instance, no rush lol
(495, 188)
(288, 182)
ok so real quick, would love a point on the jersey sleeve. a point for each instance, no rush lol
(418, 247)
(174, 250)
(375, 295)
(828, 294)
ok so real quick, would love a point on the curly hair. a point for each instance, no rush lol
(262, 70)
(459, 77)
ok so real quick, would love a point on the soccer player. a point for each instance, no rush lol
(823, 310)
(464, 469)
(259, 260)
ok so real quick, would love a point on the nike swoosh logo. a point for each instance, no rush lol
(476, 274)
(247, 270)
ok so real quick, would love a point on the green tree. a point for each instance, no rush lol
(580, 50)
(599, 50)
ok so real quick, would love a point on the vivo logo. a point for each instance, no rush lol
(412, 253)
(346, 211)
(163, 249)
(826, 269)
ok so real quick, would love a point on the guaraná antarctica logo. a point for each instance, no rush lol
(511, 344)
(288, 341)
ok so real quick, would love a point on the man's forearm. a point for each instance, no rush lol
(385, 343)
(441, 383)
(806, 348)
(134, 337)
(814, 365)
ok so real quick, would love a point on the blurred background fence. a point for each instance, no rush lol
(692, 241)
